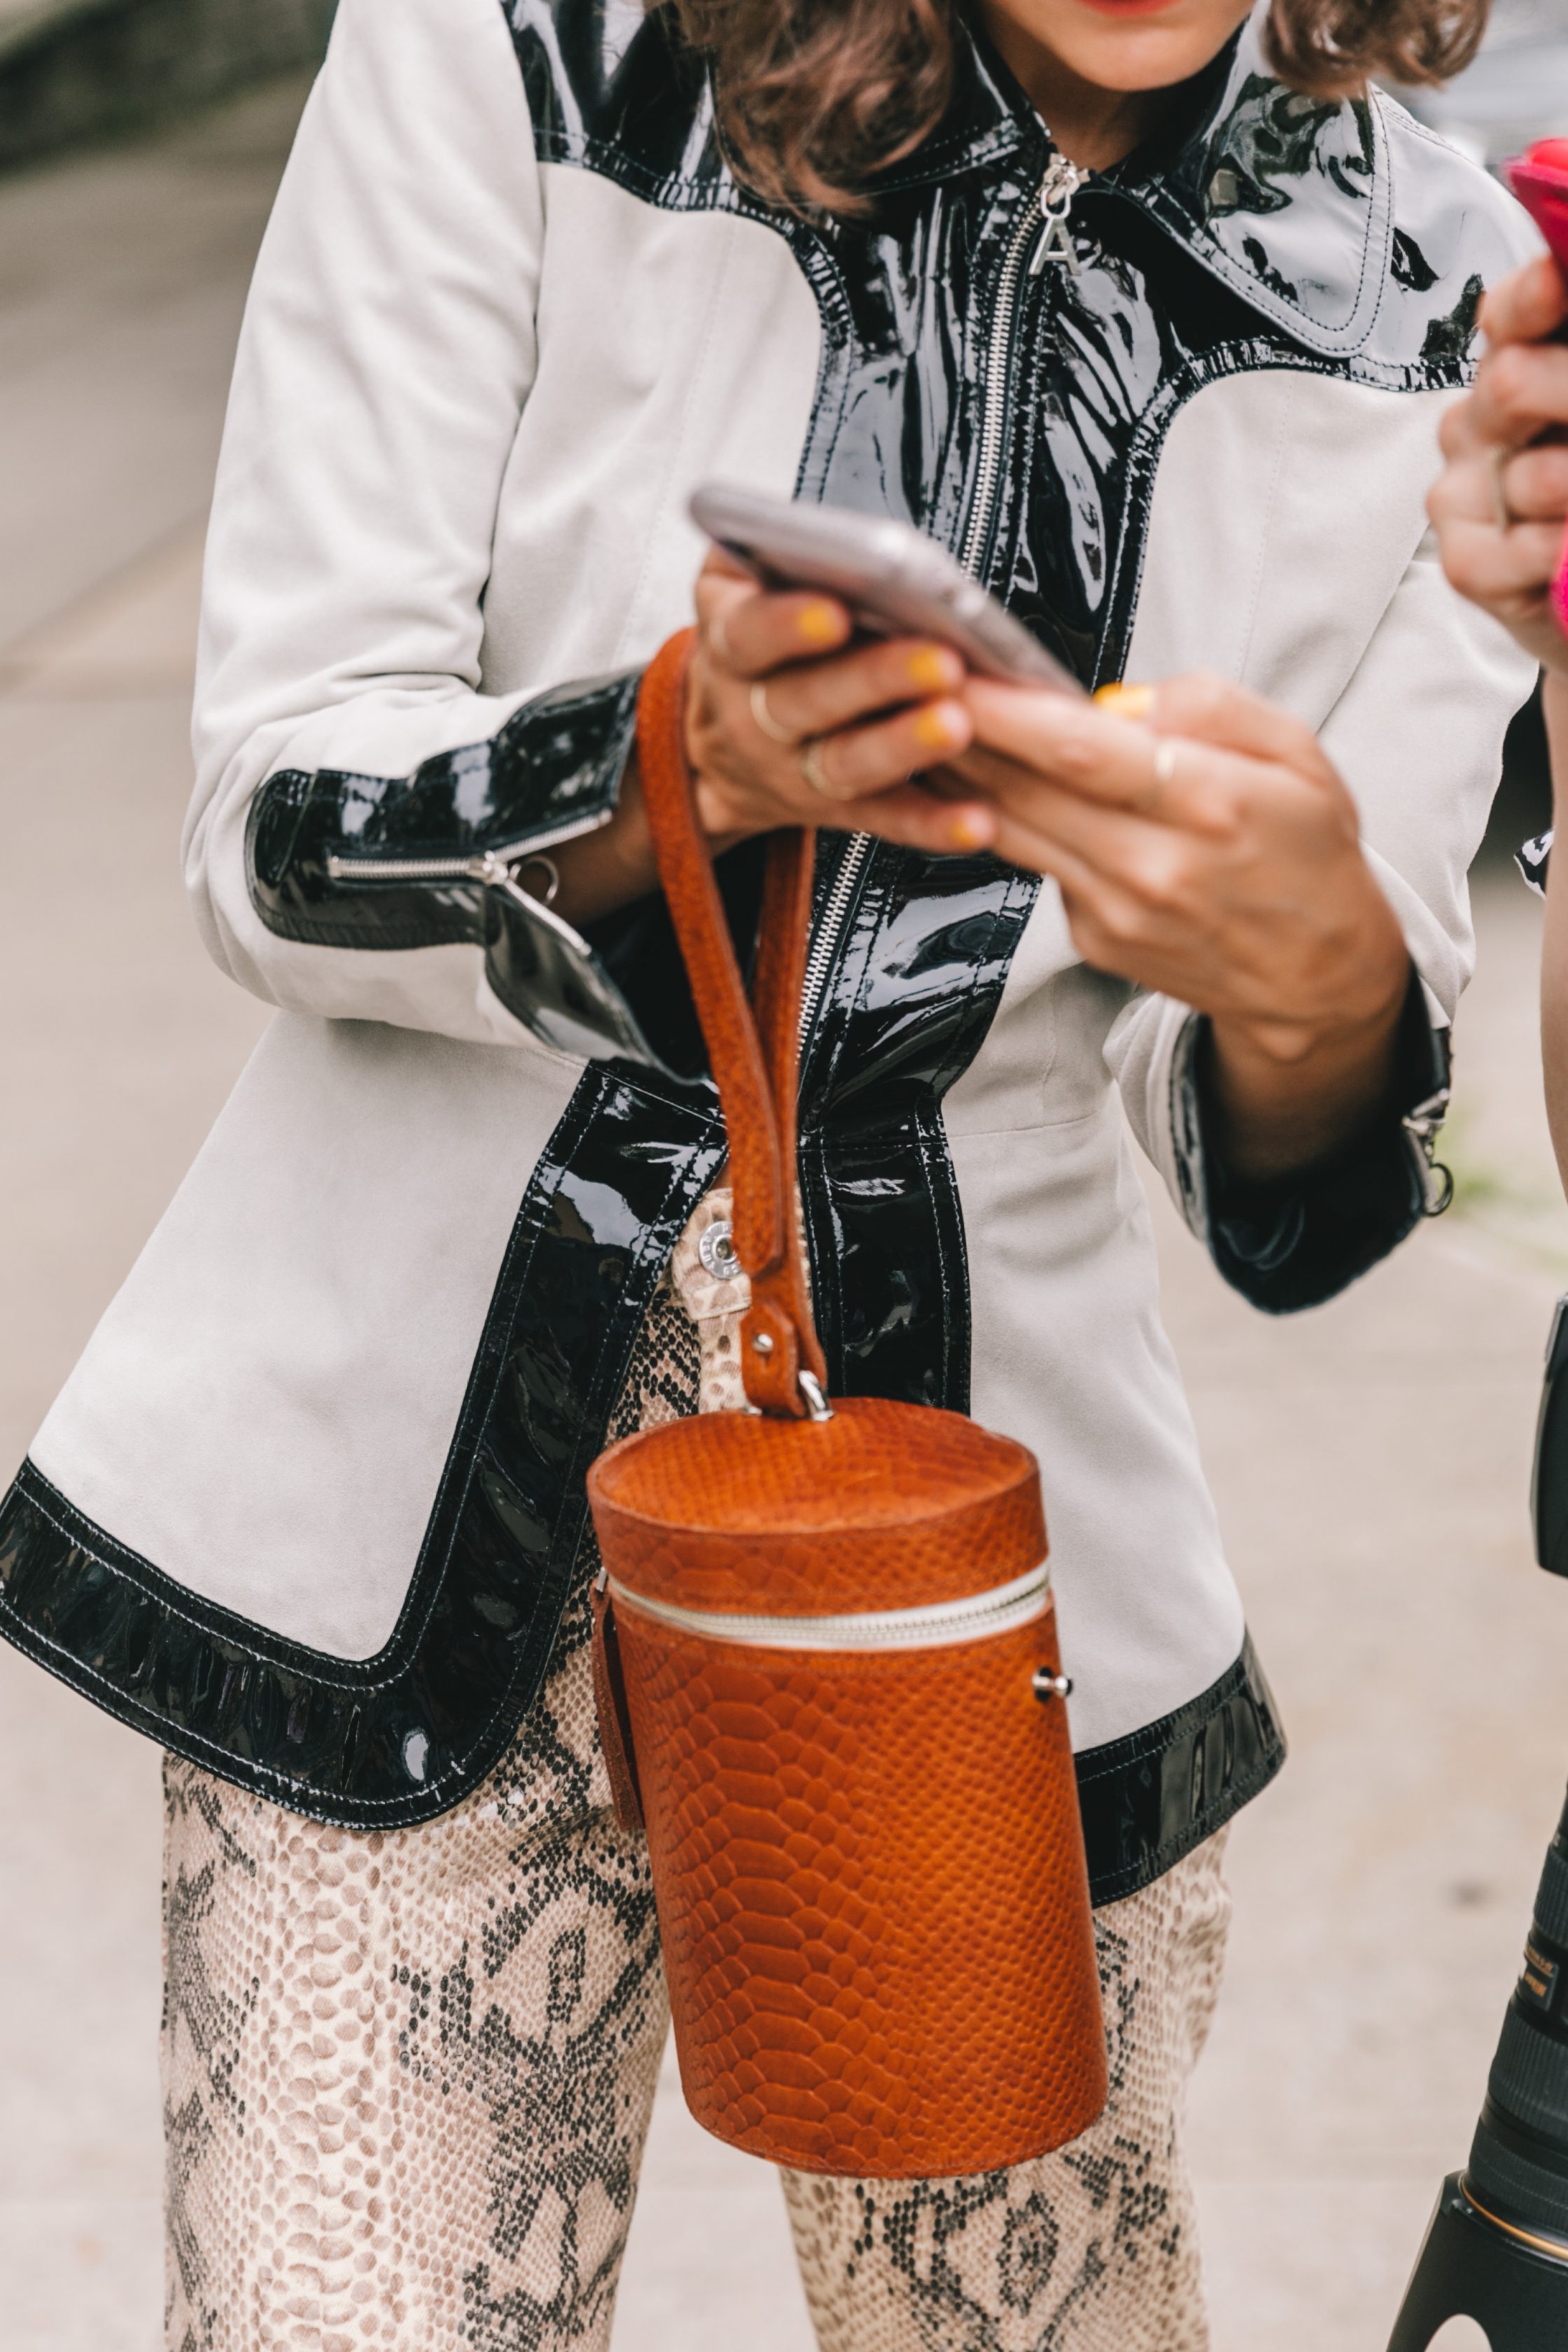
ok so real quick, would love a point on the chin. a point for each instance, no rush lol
(1131, 43)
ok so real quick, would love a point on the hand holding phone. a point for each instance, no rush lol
(894, 581)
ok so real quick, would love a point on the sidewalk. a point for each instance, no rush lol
(1370, 1459)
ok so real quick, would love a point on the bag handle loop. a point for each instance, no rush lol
(754, 1060)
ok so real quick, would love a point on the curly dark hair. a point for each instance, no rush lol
(815, 97)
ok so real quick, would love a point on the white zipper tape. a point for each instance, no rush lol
(936, 1627)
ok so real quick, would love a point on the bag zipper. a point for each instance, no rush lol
(1044, 222)
(938, 1626)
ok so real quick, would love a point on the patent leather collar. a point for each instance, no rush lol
(1289, 201)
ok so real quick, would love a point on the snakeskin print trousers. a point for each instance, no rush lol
(407, 2075)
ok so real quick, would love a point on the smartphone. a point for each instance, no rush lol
(895, 580)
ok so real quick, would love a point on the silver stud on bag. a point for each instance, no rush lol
(716, 1251)
(763, 1343)
(1047, 1685)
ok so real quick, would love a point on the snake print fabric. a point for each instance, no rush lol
(1093, 2250)
(407, 2076)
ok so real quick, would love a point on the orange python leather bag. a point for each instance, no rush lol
(828, 1682)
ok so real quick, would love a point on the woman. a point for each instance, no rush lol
(310, 1511)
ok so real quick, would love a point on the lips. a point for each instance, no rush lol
(1129, 7)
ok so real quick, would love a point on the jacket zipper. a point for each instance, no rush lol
(1043, 225)
(1422, 1127)
(490, 865)
(830, 930)
(939, 1626)
(496, 867)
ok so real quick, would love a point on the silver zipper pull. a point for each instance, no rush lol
(1422, 1127)
(1060, 185)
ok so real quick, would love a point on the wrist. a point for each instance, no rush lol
(1368, 1011)
(721, 812)
(1288, 1094)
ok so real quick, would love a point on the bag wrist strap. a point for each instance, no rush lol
(756, 1073)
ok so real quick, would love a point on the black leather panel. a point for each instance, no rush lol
(401, 1739)
(398, 1737)
(1152, 1798)
(1294, 1244)
(335, 860)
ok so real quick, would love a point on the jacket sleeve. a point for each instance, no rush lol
(365, 809)
(1417, 736)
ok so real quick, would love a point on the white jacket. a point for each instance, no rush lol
(310, 1505)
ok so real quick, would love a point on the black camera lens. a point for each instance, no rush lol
(1518, 2170)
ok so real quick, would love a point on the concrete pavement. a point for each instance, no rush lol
(1370, 1459)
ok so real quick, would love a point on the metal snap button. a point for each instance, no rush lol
(717, 1251)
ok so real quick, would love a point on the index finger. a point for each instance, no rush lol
(1211, 709)
(1106, 749)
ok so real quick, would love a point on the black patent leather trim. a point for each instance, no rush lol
(1150, 1799)
(401, 1737)
(1300, 1242)
(551, 773)
(262, 1713)
(1338, 222)
(916, 987)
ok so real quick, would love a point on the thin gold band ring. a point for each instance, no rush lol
(762, 711)
(812, 770)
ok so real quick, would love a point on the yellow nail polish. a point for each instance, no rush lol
(820, 623)
(931, 670)
(1126, 701)
(934, 728)
(970, 831)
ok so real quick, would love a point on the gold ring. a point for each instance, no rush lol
(811, 768)
(762, 711)
(1506, 518)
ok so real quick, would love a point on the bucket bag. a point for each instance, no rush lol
(829, 1680)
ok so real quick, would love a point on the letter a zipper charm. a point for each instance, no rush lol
(1057, 189)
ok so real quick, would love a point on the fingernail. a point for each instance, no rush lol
(820, 623)
(934, 670)
(971, 829)
(1127, 701)
(939, 727)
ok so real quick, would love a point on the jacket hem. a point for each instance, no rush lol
(1146, 1801)
(1150, 1799)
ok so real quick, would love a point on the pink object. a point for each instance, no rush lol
(1539, 180)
